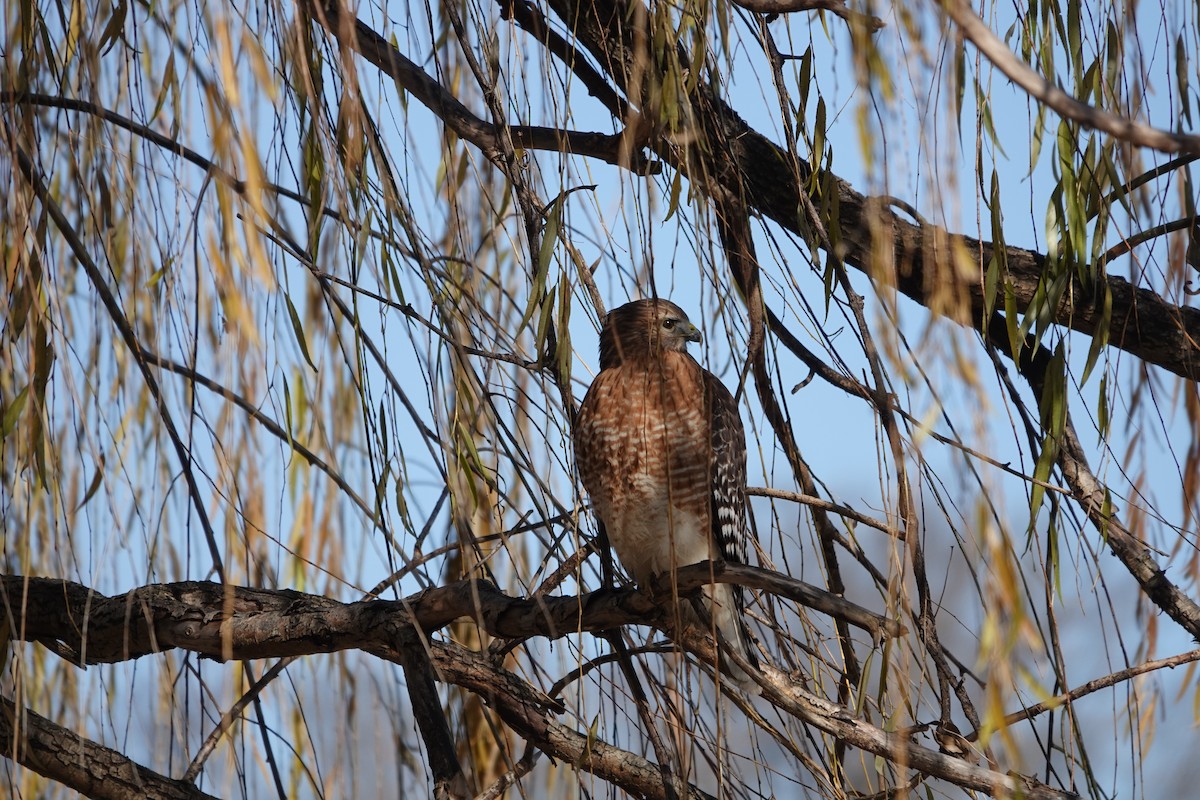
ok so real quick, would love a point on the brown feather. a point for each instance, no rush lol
(661, 450)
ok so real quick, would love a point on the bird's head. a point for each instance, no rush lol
(644, 329)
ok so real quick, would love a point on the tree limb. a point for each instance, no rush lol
(231, 622)
(1092, 495)
(836, 7)
(1112, 679)
(840, 722)
(919, 259)
(227, 622)
(361, 38)
(1063, 104)
(81, 764)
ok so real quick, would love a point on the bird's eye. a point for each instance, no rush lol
(668, 324)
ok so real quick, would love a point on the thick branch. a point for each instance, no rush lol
(449, 782)
(85, 766)
(230, 622)
(526, 712)
(918, 259)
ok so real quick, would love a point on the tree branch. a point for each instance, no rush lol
(449, 782)
(836, 7)
(226, 622)
(1063, 104)
(361, 38)
(527, 713)
(843, 724)
(87, 767)
(918, 259)
(1033, 364)
(231, 622)
(1066, 698)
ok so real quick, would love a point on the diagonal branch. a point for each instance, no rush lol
(448, 778)
(525, 711)
(836, 7)
(1112, 679)
(361, 38)
(918, 259)
(1092, 496)
(836, 720)
(87, 767)
(1063, 104)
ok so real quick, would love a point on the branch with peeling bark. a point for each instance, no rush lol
(227, 622)
(81, 764)
(235, 622)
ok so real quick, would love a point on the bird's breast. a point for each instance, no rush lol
(644, 456)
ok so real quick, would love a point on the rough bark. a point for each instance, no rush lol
(234, 622)
(85, 766)
(227, 622)
(917, 258)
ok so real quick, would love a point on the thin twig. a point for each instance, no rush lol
(1066, 698)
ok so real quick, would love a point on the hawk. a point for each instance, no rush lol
(661, 451)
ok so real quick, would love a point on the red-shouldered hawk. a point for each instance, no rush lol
(662, 453)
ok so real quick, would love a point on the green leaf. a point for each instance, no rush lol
(1039, 135)
(160, 273)
(818, 147)
(1053, 408)
(97, 478)
(381, 490)
(115, 27)
(1100, 337)
(544, 320)
(1106, 513)
(537, 292)
(1074, 36)
(169, 85)
(1183, 68)
(997, 263)
(960, 79)
(383, 432)
(1015, 337)
(549, 238)
(565, 355)
(13, 413)
(1102, 418)
(289, 422)
(805, 81)
(298, 330)
(985, 117)
(676, 190)
(1041, 473)
(1052, 555)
